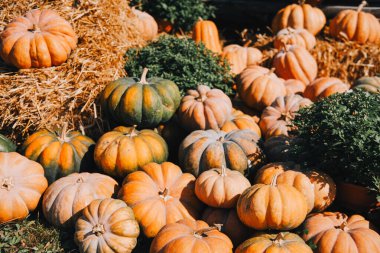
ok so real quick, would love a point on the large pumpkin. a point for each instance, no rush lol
(59, 151)
(204, 150)
(145, 24)
(6, 145)
(300, 37)
(240, 57)
(336, 232)
(107, 225)
(240, 121)
(204, 108)
(39, 39)
(370, 84)
(324, 87)
(205, 31)
(64, 200)
(125, 149)
(160, 195)
(187, 236)
(22, 183)
(144, 102)
(258, 87)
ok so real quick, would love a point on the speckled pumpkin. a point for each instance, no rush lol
(300, 37)
(240, 121)
(370, 84)
(324, 87)
(6, 145)
(240, 57)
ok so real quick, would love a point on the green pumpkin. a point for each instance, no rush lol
(370, 84)
(145, 103)
(6, 145)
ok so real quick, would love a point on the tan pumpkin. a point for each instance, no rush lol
(300, 37)
(336, 232)
(205, 31)
(190, 236)
(258, 87)
(299, 16)
(356, 25)
(294, 86)
(145, 24)
(106, 225)
(204, 108)
(64, 200)
(125, 149)
(240, 121)
(277, 118)
(324, 87)
(39, 39)
(220, 187)
(160, 195)
(295, 62)
(22, 183)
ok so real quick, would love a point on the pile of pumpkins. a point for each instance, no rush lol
(227, 192)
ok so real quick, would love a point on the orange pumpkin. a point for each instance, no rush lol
(240, 57)
(22, 183)
(205, 31)
(324, 87)
(160, 195)
(145, 24)
(39, 39)
(240, 121)
(294, 86)
(300, 37)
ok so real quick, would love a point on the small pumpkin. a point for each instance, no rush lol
(300, 37)
(22, 183)
(205, 31)
(370, 84)
(276, 148)
(145, 24)
(6, 145)
(324, 87)
(240, 121)
(39, 39)
(240, 57)
(106, 225)
(294, 86)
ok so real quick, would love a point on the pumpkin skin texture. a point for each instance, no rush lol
(39, 39)
(276, 148)
(241, 57)
(336, 232)
(324, 87)
(60, 152)
(258, 87)
(240, 121)
(279, 243)
(204, 108)
(6, 145)
(300, 37)
(145, 102)
(64, 200)
(190, 236)
(107, 225)
(164, 189)
(369, 84)
(124, 150)
(299, 16)
(146, 24)
(22, 183)
(294, 86)
(295, 62)
(205, 31)
(204, 150)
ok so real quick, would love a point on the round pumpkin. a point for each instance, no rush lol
(240, 57)
(324, 87)
(145, 24)
(204, 150)
(295, 62)
(205, 31)
(299, 16)
(258, 87)
(370, 84)
(300, 37)
(39, 39)
(356, 25)
(190, 236)
(277, 118)
(59, 151)
(125, 149)
(240, 121)
(276, 148)
(106, 225)
(22, 183)
(64, 200)
(294, 86)
(336, 232)
(145, 102)
(160, 195)
(284, 242)
(204, 108)
(6, 145)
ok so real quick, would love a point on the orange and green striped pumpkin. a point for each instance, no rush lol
(6, 145)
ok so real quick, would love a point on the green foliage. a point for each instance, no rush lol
(342, 135)
(181, 13)
(182, 61)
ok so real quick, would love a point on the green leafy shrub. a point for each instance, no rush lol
(342, 135)
(182, 61)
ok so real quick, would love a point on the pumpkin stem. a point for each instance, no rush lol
(34, 28)
(143, 76)
(200, 19)
(286, 116)
(343, 226)
(62, 136)
(221, 138)
(165, 194)
(361, 6)
(98, 229)
(279, 240)
(203, 232)
(80, 180)
(132, 133)
(247, 43)
(301, 2)
(274, 180)
(224, 171)
(7, 183)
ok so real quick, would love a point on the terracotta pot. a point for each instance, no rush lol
(354, 197)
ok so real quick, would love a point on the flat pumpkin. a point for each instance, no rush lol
(6, 145)
(370, 84)
(300, 37)
(324, 87)
(240, 57)
(145, 24)
(205, 31)
(240, 121)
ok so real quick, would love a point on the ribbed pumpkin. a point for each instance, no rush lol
(144, 102)
(277, 118)
(258, 87)
(6, 145)
(204, 150)
(300, 37)
(294, 86)
(358, 26)
(145, 24)
(324, 87)
(107, 225)
(240, 57)
(160, 195)
(204, 108)
(64, 200)
(295, 62)
(205, 31)
(240, 121)
(39, 39)
(370, 84)
(59, 151)
(22, 183)
(336, 232)
(284, 242)
(125, 149)
(299, 16)
(190, 236)
(276, 148)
